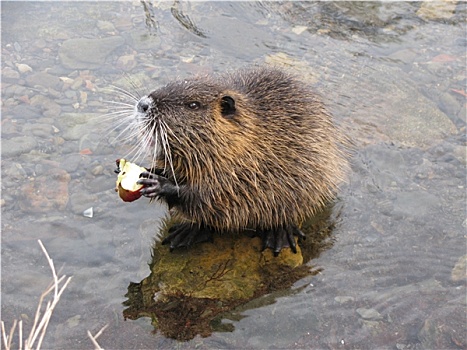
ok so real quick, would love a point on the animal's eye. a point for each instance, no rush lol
(194, 105)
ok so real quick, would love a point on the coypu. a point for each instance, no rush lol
(253, 149)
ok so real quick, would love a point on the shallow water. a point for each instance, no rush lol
(392, 73)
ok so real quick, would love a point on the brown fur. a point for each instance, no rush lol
(273, 162)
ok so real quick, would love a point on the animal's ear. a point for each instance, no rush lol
(228, 107)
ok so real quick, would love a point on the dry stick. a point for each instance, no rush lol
(50, 310)
(41, 328)
(94, 338)
(20, 334)
(10, 337)
(3, 333)
(6, 338)
(38, 328)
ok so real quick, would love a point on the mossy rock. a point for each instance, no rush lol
(189, 289)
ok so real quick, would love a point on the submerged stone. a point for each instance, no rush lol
(188, 290)
(83, 53)
(208, 279)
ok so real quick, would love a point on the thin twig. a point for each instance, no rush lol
(94, 338)
(52, 267)
(41, 322)
(3, 333)
(20, 334)
(12, 331)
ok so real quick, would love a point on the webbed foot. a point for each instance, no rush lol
(281, 237)
(187, 234)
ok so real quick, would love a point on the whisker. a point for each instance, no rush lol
(144, 143)
(126, 93)
(116, 115)
(167, 151)
(132, 106)
(134, 85)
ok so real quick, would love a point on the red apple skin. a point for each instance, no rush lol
(128, 196)
(125, 194)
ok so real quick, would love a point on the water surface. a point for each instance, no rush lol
(392, 73)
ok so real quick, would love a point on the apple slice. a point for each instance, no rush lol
(127, 188)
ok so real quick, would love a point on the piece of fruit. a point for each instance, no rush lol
(127, 188)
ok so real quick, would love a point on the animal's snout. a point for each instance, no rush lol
(143, 105)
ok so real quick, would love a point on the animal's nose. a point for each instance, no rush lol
(143, 105)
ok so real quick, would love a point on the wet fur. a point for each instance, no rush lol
(272, 162)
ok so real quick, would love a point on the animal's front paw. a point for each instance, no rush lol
(154, 185)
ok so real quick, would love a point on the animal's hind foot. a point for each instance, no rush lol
(280, 237)
(186, 234)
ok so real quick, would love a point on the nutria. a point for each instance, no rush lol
(253, 149)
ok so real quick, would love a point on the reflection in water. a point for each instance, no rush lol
(185, 20)
(189, 292)
(151, 22)
(377, 21)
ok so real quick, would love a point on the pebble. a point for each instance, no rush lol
(344, 299)
(58, 141)
(9, 74)
(450, 105)
(82, 53)
(105, 26)
(13, 171)
(54, 93)
(66, 80)
(299, 29)
(44, 79)
(73, 321)
(23, 68)
(76, 125)
(68, 109)
(70, 94)
(15, 90)
(17, 145)
(77, 83)
(369, 314)
(9, 127)
(46, 192)
(90, 141)
(38, 129)
(83, 96)
(24, 112)
(64, 102)
(50, 107)
(126, 63)
(71, 163)
(459, 272)
(97, 170)
(40, 43)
